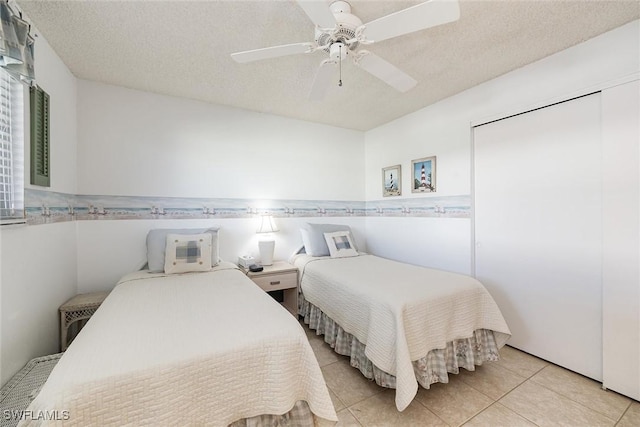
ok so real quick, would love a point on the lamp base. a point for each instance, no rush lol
(266, 251)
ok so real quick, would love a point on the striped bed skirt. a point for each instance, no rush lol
(434, 367)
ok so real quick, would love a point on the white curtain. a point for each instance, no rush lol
(16, 45)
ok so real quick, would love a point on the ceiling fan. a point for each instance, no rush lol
(341, 34)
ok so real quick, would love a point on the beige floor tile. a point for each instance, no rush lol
(323, 351)
(311, 334)
(520, 362)
(631, 418)
(325, 354)
(582, 390)
(455, 402)
(497, 415)
(380, 410)
(492, 380)
(337, 403)
(346, 419)
(321, 422)
(348, 383)
(545, 407)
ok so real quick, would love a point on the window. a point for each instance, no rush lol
(11, 149)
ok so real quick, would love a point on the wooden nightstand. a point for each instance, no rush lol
(78, 309)
(281, 276)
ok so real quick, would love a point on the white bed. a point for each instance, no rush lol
(188, 349)
(411, 323)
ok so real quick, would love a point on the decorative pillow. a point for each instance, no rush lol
(315, 243)
(340, 244)
(187, 252)
(157, 242)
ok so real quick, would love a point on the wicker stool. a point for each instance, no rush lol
(81, 307)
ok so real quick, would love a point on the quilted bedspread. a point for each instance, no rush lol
(192, 349)
(399, 311)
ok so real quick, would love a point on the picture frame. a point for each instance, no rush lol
(392, 181)
(423, 175)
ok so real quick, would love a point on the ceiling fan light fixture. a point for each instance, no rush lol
(338, 51)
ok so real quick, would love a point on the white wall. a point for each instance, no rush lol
(38, 275)
(136, 143)
(38, 264)
(56, 79)
(437, 242)
(109, 249)
(444, 130)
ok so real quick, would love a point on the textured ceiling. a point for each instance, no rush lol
(182, 48)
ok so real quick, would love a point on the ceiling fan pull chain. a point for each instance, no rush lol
(340, 65)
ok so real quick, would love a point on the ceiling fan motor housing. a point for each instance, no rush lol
(345, 29)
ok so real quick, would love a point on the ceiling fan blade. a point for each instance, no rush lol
(319, 13)
(415, 18)
(327, 70)
(272, 52)
(385, 71)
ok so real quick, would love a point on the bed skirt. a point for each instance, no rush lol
(300, 415)
(433, 368)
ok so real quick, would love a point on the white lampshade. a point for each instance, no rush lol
(267, 225)
(266, 245)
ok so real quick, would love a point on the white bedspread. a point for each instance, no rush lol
(191, 349)
(399, 311)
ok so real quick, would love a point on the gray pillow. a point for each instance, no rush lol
(313, 237)
(157, 242)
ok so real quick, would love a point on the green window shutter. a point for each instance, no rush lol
(40, 170)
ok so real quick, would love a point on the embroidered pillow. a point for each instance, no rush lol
(187, 252)
(340, 244)
(157, 243)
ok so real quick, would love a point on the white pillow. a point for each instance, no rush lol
(306, 240)
(187, 252)
(340, 244)
(313, 237)
(157, 242)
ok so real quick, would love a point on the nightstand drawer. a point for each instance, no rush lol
(275, 282)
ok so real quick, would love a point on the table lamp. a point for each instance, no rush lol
(266, 244)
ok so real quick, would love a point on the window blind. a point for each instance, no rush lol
(11, 150)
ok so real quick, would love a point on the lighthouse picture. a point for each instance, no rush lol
(391, 179)
(424, 175)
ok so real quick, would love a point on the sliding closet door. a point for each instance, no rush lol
(621, 239)
(538, 229)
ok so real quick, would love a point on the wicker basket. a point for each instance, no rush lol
(23, 387)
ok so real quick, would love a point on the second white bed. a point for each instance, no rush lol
(400, 312)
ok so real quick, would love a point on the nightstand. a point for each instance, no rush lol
(78, 309)
(281, 276)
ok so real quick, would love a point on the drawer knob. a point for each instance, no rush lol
(274, 283)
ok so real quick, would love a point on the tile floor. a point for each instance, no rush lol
(519, 390)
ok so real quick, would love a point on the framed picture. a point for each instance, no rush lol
(391, 181)
(423, 175)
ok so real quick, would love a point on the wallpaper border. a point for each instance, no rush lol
(44, 207)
